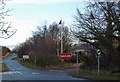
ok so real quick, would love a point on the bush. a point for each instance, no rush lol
(46, 60)
(74, 59)
(3, 67)
(115, 70)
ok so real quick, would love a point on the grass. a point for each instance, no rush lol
(28, 65)
(16, 58)
(31, 66)
(82, 74)
(93, 75)
(8, 54)
(51, 67)
(3, 67)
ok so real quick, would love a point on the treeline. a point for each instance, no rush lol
(99, 26)
(4, 50)
(44, 46)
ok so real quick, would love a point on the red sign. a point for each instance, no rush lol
(65, 56)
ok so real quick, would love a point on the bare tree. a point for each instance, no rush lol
(100, 27)
(6, 30)
(44, 46)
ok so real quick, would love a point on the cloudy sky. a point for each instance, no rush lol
(27, 14)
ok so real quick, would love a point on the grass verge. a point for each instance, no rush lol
(94, 76)
(16, 58)
(8, 54)
(31, 66)
(28, 65)
(51, 67)
(3, 67)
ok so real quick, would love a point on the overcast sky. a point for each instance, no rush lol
(27, 14)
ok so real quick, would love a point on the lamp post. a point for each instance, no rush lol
(57, 49)
(91, 17)
(60, 25)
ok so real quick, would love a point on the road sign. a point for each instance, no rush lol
(65, 56)
(25, 57)
(98, 61)
(98, 52)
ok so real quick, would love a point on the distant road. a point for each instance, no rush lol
(19, 72)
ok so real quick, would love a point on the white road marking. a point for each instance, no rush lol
(35, 73)
(11, 72)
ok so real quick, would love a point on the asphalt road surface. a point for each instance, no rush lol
(19, 72)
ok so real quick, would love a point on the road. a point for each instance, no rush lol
(19, 72)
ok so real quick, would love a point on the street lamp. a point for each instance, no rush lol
(91, 17)
(60, 25)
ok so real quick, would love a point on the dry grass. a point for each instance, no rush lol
(63, 66)
(3, 67)
(94, 76)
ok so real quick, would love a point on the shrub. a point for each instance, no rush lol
(115, 70)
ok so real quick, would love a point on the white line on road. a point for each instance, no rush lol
(11, 72)
(35, 73)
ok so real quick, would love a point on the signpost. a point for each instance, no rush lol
(25, 57)
(76, 53)
(98, 56)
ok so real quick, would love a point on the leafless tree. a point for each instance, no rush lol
(6, 30)
(100, 27)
